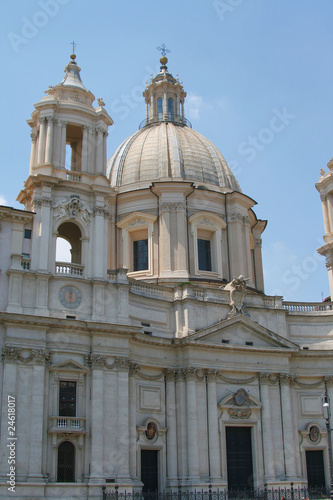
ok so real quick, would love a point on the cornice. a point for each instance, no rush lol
(10, 214)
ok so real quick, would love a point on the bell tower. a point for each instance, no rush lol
(325, 188)
(67, 186)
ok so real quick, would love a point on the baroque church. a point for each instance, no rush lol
(152, 359)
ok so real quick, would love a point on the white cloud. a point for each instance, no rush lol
(194, 104)
(2, 200)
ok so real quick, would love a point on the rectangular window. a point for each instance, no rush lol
(27, 234)
(204, 255)
(67, 399)
(140, 254)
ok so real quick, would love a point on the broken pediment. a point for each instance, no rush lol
(240, 405)
(242, 331)
(69, 365)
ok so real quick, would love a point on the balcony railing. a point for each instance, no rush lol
(305, 307)
(25, 263)
(73, 176)
(180, 121)
(67, 424)
(69, 269)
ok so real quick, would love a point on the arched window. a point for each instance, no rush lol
(160, 109)
(170, 109)
(66, 462)
(72, 234)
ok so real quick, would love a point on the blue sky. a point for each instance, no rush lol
(258, 74)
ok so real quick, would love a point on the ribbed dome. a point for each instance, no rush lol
(166, 149)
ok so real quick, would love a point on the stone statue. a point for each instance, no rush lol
(237, 288)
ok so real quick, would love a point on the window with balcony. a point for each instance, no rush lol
(67, 399)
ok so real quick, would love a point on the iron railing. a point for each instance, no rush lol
(180, 121)
(291, 493)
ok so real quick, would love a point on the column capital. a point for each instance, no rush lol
(211, 374)
(267, 378)
(170, 374)
(286, 379)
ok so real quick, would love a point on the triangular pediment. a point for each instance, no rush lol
(242, 331)
(69, 365)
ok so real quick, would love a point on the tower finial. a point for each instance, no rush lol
(73, 56)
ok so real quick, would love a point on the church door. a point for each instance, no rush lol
(149, 470)
(239, 458)
(315, 468)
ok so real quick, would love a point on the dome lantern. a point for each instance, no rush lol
(164, 97)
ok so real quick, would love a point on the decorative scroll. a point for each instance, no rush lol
(239, 413)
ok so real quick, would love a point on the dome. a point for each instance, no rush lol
(169, 150)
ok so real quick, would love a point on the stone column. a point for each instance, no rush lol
(123, 421)
(49, 140)
(258, 264)
(329, 202)
(192, 425)
(63, 145)
(99, 151)
(152, 108)
(33, 151)
(10, 360)
(289, 433)
(99, 264)
(183, 111)
(84, 157)
(41, 141)
(181, 239)
(171, 423)
(36, 432)
(165, 238)
(132, 421)
(45, 233)
(213, 430)
(267, 433)
(325, 214)
(165, 105)
(181, 415)
(178, 108)
(238, 260)
(97, 415)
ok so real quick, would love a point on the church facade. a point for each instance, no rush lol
(152, 359)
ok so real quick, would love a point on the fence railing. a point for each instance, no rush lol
(291, 493)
